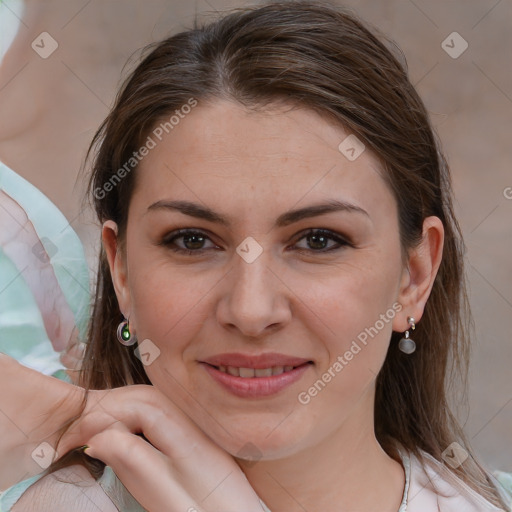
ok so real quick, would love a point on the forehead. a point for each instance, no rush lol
(231, 158)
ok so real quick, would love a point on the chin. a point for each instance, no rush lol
(250, 445)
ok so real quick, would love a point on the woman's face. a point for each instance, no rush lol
(259, 283)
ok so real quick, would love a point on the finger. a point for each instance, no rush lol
(172, 431)
(145, 410)
(143, 470)
(205, 471)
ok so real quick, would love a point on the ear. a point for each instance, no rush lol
(117, 265)
(419, 274)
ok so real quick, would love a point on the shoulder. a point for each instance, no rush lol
(71, 488)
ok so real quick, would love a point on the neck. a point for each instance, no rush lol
(347, 471)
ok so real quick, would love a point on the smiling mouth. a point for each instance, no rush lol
(249, 373)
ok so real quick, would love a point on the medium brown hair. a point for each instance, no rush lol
(322, 57)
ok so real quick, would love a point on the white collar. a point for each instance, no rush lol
(434, 488)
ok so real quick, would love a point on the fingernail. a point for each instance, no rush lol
(82, 448)
(88, 454)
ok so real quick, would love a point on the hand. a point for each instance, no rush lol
(33, 407)
(179, 469)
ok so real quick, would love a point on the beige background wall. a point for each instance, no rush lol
(50, 108)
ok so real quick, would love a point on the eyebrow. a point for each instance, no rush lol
(285, 219)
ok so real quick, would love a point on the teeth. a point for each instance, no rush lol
(233, 371)
(248, 373)
(263, 372)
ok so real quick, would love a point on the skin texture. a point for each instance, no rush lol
(28, 418)
(178, 469)
(252, 167)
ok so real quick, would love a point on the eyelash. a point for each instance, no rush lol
(168, 241)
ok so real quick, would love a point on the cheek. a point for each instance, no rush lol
(169, 311)
(167, 303)
(352, 313)
(351, 296)
(163, 296)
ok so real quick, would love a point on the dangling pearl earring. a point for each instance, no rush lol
(406, 344)
(124, 335)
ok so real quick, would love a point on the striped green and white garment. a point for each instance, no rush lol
(44, 282)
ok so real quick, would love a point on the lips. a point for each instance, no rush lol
(248, 376)
(261, 361)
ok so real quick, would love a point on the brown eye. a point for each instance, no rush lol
(318, 240)
(193, 241)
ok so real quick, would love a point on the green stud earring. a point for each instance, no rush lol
(124, 335)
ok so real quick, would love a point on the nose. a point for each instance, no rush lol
(255, 301)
